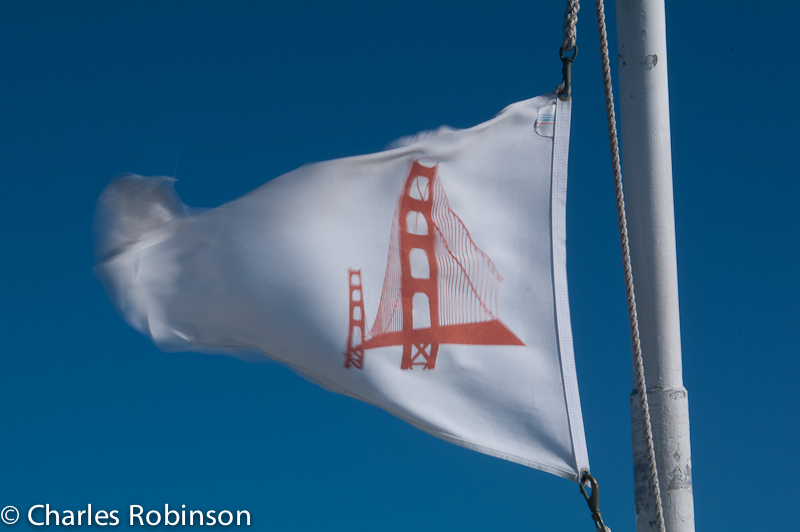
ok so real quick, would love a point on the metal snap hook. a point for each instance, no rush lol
(593, 499)
(566, 71)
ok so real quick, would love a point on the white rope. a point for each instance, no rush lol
(626, 262)
(570, 23)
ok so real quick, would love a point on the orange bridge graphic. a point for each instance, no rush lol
(440, 288)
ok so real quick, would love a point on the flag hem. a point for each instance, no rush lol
(561, 296)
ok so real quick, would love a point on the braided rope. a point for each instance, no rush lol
(626, 262)
(570, 23)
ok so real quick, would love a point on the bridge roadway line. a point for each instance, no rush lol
(480, 333)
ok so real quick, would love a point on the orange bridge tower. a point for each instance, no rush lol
(439, 288)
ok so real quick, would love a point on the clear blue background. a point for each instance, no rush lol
(229, 95)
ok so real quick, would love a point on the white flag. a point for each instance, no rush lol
(428, 280)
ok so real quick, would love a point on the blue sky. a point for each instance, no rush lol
(229, 95)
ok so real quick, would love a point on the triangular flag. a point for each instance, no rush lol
(428, 280)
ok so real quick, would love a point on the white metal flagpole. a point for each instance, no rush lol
(646, 152)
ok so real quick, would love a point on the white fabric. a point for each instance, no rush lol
(268, 274)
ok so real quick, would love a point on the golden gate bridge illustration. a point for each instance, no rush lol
(436, 275)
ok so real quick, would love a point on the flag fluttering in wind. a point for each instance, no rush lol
(428, 279)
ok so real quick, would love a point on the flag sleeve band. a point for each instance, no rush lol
(559, 242)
